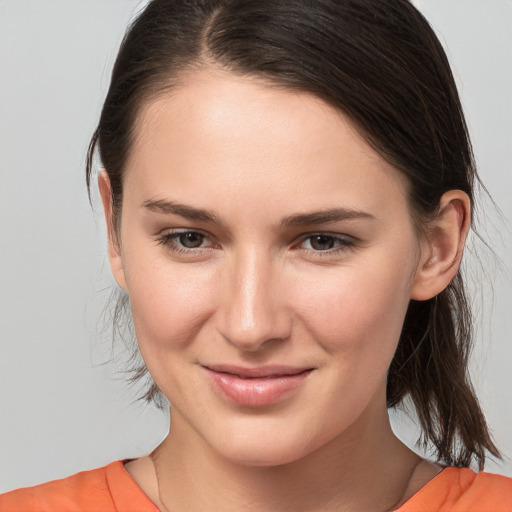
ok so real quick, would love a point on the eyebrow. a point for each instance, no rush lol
(324, 217)
(295, 220)
(183, 210)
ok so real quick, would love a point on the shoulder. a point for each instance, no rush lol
(463, 490)
(105, 489)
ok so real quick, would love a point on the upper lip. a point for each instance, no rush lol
(256, 371)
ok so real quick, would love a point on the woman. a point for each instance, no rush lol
(288, 187)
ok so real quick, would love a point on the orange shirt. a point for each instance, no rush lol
(112, 489)
(107, 489)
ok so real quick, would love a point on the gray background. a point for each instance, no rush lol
(62, 407)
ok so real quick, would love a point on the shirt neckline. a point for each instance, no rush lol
(119, 493)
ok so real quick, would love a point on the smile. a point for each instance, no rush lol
(255, 387)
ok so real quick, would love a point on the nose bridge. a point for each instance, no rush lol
(251, 312)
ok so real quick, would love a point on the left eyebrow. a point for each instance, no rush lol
(324, 217)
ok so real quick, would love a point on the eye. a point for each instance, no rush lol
(185, 241)
(190, 239)
(324, 242)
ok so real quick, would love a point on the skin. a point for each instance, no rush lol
(260, 290)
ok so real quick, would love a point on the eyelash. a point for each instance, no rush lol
(170, 241)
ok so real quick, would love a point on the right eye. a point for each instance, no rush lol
(184, 241)
(190, 239)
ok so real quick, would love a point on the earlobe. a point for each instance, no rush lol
(114, 247)
(443, 247)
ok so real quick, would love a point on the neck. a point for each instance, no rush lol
(367, 468)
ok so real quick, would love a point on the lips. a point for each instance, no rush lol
(255, 387)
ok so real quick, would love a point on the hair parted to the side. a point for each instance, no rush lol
(380, 63)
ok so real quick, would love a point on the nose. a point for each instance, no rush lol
(252, 311)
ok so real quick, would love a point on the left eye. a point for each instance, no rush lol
(323, 242)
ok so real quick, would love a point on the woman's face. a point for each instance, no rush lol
(269, 255)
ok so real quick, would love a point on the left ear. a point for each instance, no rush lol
(442, 249)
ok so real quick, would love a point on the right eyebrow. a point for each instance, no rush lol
(183, 210)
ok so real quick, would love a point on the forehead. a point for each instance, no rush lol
(237, 136)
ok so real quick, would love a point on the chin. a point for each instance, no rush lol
(264, 445)
(263, 456)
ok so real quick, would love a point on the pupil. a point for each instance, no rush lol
(322, 242)
(191, 240)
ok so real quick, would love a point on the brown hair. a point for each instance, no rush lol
(380, 63)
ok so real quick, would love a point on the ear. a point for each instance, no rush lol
(114, 247)
(442, 250)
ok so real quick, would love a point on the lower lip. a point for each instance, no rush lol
(255, 392)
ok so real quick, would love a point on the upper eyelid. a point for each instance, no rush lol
(326, 233)
(170, 232)
(175, 232)
(340, 236)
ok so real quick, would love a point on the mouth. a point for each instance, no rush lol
(258, 386)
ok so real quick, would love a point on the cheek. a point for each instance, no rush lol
(356, 310)
(169, 305)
